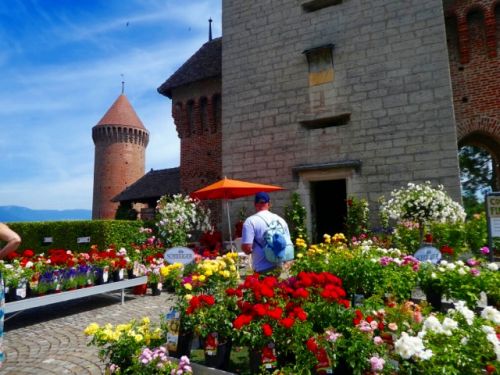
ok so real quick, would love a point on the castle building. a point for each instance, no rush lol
(339, 98)
(195, 90)
(120, 140)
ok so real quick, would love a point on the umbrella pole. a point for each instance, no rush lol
(229, 225)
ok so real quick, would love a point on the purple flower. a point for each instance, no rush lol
(475, 272)
(485, 250)
(472, 262)
(385, 260)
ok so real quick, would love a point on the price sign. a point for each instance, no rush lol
(493, 212)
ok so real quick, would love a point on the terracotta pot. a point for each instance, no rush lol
(139, 290)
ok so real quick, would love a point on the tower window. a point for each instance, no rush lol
(320, 60)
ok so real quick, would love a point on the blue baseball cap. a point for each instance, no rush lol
(262, 197)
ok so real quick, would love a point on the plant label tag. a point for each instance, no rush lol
(173, 322)
(21, 292)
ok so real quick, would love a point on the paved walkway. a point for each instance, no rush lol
(50, 340)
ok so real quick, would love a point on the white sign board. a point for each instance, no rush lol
(48, 240)
(182, 255)
(493, 205)
(428, 253)
(83, 240)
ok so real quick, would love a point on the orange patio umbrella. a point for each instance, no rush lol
(230, 189)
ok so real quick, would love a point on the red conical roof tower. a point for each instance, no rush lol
(120, 140)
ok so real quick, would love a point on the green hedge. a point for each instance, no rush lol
(65, 233)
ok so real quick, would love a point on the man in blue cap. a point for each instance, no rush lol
(254, 227)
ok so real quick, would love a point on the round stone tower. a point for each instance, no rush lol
(120, 140)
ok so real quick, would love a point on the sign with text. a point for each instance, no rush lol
(83, 240)
(182, 255)
(493, 212)
(428, 253)
(47, 240)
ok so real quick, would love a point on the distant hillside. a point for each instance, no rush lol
(17, 213)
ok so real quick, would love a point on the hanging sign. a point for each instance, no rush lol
(182, 255)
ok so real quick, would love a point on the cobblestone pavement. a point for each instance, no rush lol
(50, 340)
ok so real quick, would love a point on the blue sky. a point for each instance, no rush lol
(61, 64)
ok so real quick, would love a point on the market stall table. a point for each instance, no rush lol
(29, 303)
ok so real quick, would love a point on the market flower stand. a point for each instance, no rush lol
(29, 303)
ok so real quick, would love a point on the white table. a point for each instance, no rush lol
(29, 303)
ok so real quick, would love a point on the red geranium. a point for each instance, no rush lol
(28, 253)
(267, 329)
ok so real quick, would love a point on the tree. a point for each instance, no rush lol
(476, 176)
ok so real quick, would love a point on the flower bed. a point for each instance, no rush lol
(345, 305)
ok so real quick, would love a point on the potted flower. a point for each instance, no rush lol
(422, 204)
(431, 281)
(118, 345)
(68, 279)
(459, 340)
(156, 362)
(211, 316)
(171, 275)
(179, 216)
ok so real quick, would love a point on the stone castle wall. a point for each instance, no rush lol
(391, 80)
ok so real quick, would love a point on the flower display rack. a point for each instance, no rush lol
(29, 303)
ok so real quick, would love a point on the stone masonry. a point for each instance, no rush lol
(391, 78)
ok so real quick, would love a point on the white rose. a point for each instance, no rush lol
(492, 266)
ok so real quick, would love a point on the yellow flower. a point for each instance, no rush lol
(164, 270)
(107, 334)
(123, 327)
(157, 333)
(188, 286)
(232, 267)
(339, 237)
(208, 273)
(327, 238)
(300, 255)
(188, 297)
(146, 320)
(138, 338)
(202, 278)
(91, 329)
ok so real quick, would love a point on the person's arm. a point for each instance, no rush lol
(247, 237)
(12, 238)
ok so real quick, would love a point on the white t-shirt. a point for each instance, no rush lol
(253, 233)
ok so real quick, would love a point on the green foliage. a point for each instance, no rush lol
(450, 234)
(476, 172)
(296, 215)
(476, 232)
(406, 238)
(357, 218)
(125, 212)
(65, 233)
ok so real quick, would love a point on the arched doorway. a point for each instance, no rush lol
(479, 155)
